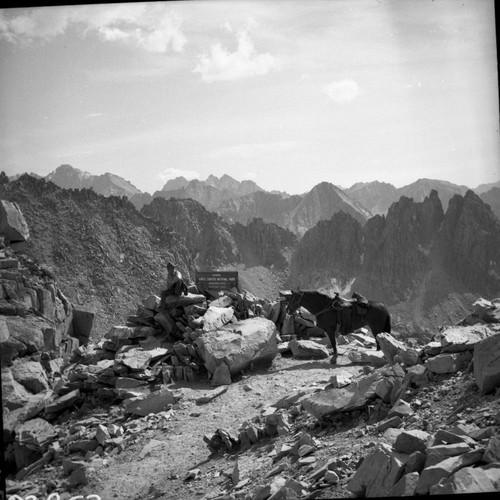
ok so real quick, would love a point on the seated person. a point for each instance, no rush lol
(175, 285)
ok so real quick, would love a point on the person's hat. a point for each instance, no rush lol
(170, 264)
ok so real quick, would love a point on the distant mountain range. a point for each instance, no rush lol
(244, 201)
(425, 262)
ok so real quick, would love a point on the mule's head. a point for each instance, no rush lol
(337, 302)
(294, 302)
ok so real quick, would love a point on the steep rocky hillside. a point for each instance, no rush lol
(329, 254)
(207, 236)
(105, 254)
(264, 244)
(468, 244)
(108, 256)
(397, 246)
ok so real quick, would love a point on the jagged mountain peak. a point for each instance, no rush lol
(107, 184)
(66, 174)
(372, 184)
(177, 183)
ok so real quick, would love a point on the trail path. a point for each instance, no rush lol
(127, 476)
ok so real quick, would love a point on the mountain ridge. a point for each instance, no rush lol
(217, 194)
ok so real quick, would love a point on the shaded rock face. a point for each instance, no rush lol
(264, 244)
(386, 258)
(468, 245)
(206, 235)
(415, 253)
(335, 245)
(396, 247)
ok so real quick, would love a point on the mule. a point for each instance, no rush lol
(341, 315)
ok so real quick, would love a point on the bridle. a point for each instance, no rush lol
(289, 307)
(334, 305)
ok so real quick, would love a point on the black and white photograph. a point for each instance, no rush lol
(249, 250)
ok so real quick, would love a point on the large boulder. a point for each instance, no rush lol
(82, 325)
(441, 471)
(19, 337)
(14, 395)
(155, 402)
(31, 375)
(375, 358)
(392, 348)
(10, 347)
(134, 358)
(463, 338)
(485, 311)
(171, 302)
(486, 364)
(308, 349)
(239, 345)
(448, 362)
(122, 332)
(355, 396)
(216, 317)
(467, 480)
(34, 406)
(37, 433)
(378, 473)
(12, 223)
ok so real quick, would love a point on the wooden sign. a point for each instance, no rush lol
(216, 280)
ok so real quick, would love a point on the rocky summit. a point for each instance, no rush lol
(223, 394)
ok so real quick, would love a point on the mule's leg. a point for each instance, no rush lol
(331, 335)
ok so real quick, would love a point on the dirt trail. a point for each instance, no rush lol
(127, 476)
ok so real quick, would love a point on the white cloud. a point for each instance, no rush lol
(173, 173)
(252, 150)
(147, 26)
(342, 91)
(245, 62)
(94, 115)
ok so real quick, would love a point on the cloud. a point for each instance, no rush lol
(147, 26)
(245, 62)
(94, 115)
(173, 173)
(252, 150)
(342, 91)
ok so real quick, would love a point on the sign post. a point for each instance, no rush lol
(216, 280)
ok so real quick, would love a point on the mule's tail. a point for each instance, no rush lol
(387, 327)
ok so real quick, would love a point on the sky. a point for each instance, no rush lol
(286, 93)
